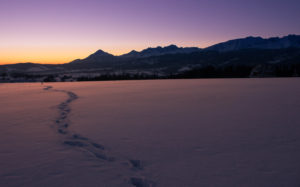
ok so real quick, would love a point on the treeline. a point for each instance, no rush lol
(206, 72)
(237, 71)
(125, 76)
(209, 72)
(217, 72)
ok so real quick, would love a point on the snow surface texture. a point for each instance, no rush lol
(217, 132)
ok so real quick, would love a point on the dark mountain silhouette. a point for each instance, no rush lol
(171, 49)
(98, 56)
(247, 57)
(257, 43)
(231, 45)
(103, 57)
(131, 54)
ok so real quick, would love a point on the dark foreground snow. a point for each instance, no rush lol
(217, 132)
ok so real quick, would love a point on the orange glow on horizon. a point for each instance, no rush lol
(60, 55)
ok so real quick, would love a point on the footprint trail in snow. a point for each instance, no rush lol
(75, 140)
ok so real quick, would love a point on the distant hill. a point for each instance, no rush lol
(257, 43)
(98, 56)
(246, 57)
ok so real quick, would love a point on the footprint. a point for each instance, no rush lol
(140, 182)
(48, 87)
(97, 150)
(61, 131)
(75, 143)
(137, 164)
(76, 136)
(97, 146)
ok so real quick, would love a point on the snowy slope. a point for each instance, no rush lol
(216, 132)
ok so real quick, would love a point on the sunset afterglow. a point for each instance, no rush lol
(60, 31)
(149, 93)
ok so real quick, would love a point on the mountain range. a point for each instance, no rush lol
(258, 43)
(290, 41)
(255, 55)
(101, 56)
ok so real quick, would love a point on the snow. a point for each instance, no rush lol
(205, 132)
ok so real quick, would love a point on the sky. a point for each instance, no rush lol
(59, 31)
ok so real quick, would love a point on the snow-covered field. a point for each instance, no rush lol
(216, 132)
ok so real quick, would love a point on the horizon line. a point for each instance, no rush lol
(162, 46)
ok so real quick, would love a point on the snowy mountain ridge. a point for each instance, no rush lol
(290, 41)
(257, 43)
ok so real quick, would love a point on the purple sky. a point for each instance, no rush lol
(59, 31)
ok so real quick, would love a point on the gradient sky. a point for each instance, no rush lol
(59, 31)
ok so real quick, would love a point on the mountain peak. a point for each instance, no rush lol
(252, 37)
(98, 56)
(133, 52)
(101, 53)
(158, 51)
(171, 49)
(172, 46)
